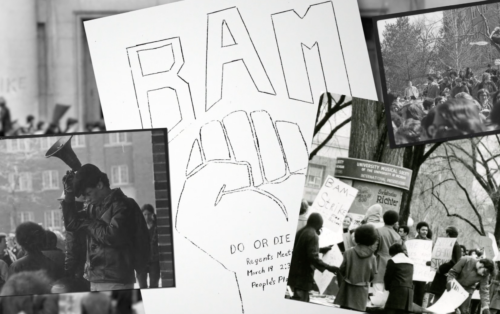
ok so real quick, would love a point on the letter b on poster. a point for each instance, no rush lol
(333, 202)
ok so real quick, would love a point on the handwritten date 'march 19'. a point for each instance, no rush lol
(311, 61)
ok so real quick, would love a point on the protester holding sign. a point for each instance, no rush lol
(419, 286)
(358, 269)
(438, 285)
(403, 233)
(305, 259)
(387, 237)
(398, 281)
(468, 272)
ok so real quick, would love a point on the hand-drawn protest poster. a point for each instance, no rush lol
(442, 252)
(420, 252)
(237, 84)
(450, 300)
(333, 202)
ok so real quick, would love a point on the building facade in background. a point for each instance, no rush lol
(30, 183)
(45, 57)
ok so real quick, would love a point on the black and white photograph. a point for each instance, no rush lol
(105, 302)
(85, 212)
(419, 236)
(439, 72)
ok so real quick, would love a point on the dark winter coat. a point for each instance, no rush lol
(387, 237)
(305, 259)
(398, 281)
(358, 269)
(117, 238)
(153, 236)
(33, 262)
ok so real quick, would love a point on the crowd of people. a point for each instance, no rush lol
(451, 104)
(375, 260)
(109, 243)
(30, 126)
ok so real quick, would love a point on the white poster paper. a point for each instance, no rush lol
(443, 248)
(323, 279)
(237, 84)
(450, 300)
(489, 244)
(333, 202)
(420, 252)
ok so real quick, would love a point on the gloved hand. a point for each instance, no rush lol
(448, 286)
(325, 249)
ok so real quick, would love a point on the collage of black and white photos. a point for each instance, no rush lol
(286, 156)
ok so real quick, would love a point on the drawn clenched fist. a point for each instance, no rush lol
(236, 182)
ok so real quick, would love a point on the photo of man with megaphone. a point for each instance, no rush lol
(117, 236)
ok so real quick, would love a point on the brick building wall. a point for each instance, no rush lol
(163, 208)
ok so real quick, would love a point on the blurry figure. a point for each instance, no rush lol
(23, 285)
(373, 215)
(439, 100)
(96, 303)
(6, 254)
(303, 214)
(409, 132)
(5, 122)
(468, 73)
(426, 125)
(29, 128)
(422, 231)
(71, 126)
(411, 91)
(459, 88)
(445, 84)
(432, 87)
(413, 111)
(153, 268)
(456, 117)
(30, 237)
(495, 291)
(41, 128)
(428, 104)
(51, 251)
(27, 282)
(53, 129)
(484, 99)
(487, 84)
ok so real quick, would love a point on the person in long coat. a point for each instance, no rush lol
(398, 281)
(305, 259)
(358, 269)
(387, 237)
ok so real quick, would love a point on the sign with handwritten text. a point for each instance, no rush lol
(420, 252)
(450, 300)
(333, 202)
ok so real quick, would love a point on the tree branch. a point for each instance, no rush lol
(328, 138)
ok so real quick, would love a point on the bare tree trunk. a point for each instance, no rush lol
(496, 204)
(369, 139)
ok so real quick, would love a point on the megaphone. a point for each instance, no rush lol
(62, 150)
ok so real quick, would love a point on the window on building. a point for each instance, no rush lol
(118, 138)
(78, 141)
(18, 145)
(476, 31)
(21, 181)
(47, 142)
(473, 11)
(50, 180)
(119, 175)
(53, 219)
(25, 216)
(314, 176)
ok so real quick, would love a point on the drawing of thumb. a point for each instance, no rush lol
(231, 195)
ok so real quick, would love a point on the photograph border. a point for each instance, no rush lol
(159, 137)
(378, 50)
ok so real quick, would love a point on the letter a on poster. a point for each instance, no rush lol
(333, 202)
